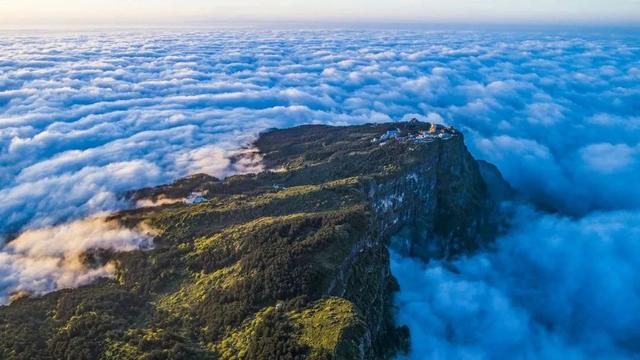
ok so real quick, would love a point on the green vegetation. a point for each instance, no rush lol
(335, 318)
(265, 268)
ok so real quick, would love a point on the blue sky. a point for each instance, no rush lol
(191, 12)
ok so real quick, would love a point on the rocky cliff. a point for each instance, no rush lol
(288, 263)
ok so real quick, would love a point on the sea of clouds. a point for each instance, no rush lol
(85, 117)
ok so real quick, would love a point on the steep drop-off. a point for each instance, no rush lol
(288, 263)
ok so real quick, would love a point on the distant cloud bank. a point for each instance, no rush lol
(85, 117)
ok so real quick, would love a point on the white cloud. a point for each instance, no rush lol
(47, 259)
(608, 158)
(86, 117)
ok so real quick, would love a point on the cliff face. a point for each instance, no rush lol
(443, 201)
(288, 263)
(444, 204)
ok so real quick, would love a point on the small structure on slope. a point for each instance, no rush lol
(195, 198)
(390, 134)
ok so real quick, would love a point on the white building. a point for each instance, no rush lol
(391, 134)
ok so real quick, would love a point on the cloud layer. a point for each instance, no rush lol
(555, 288)
(84, 117)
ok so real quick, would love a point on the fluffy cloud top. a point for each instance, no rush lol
(84, 117)
(77, 109)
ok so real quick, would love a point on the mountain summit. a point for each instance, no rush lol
(288, 263)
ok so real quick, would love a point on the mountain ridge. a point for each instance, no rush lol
(291, 262)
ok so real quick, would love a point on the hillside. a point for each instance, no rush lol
(288, 263)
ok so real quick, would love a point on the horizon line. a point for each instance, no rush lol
(324, 24)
